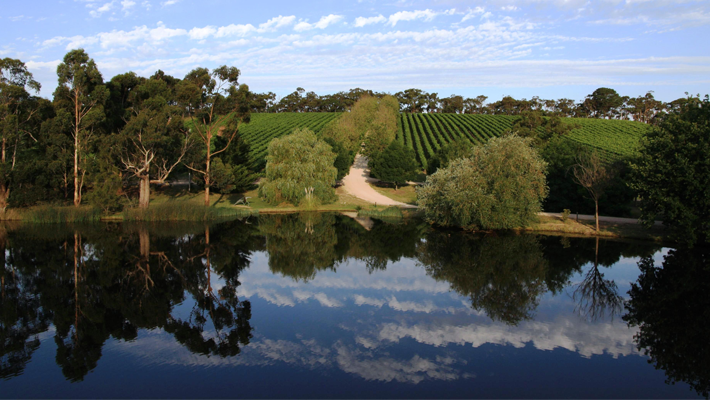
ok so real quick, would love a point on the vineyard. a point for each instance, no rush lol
(265, 127)
(425, 134)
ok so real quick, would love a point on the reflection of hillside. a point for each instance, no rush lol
(671, 307)
(502, 275)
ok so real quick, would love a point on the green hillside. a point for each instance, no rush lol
(427, 133)
(265, 127)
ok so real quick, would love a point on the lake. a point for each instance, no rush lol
(328, 306)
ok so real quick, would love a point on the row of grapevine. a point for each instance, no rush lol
(263, 128)
(425, 134)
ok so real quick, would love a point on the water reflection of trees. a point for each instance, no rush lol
(671, 307)
(109, 281)
(596, 296)
(301, 245)
(502, 275)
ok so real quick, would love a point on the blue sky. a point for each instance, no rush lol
(549, 48)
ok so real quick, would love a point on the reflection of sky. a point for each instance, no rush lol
(359, 334)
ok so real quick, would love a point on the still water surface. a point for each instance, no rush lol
(326, 306)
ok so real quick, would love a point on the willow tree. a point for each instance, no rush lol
(299, 167)
(17, 109)
(82, 94)
(501, 186)
(216, 106)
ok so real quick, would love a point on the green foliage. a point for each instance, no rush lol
(459, 148)
(565, 214)
(55, 214)
(389, 212)
(396, 164)
(106, 186)
(501, 186)
(231, 178)
(344, 158)
(298, 166)
(371, 121)
(672, 174)
(184, 211)
(561, 155)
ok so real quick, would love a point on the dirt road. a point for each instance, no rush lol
(357, 183)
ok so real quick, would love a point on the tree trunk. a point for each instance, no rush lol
(144, 197)
(207, 170)
(4, 195)
(596, 214)
(77, 259)
(144, 238)
(77, 189)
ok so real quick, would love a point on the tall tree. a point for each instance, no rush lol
(154, 139)
(82, 92)
(217, 106)
(591, 173)
(672, 174)
(17, 109)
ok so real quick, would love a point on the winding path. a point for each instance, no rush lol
(357, 183)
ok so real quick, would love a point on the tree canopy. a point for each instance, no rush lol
(672, 174)
(501, 186)
(299, 166)
(396, 164)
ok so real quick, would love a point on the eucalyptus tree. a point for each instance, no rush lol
(216, 106)
(79, 98)
(18, 110)
(154, 139)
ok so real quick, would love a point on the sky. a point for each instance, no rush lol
(525, 48)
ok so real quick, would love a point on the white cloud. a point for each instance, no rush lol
(323, 23)
(362, 21)
(234, 30)
(426, 15)
(169, 3)
(202, 33)
(99, 11)
(276, 23)
(126, 5)
(473, 13)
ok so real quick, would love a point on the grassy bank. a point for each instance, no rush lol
(405, 194)
(547, 224)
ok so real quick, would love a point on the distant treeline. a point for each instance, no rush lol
(603, 103)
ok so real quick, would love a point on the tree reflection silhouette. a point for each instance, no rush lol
(107, 281)
(671, 307)
(596, 296)
(300, 245)
(502, 275)
(21, 317)
(228, 315)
